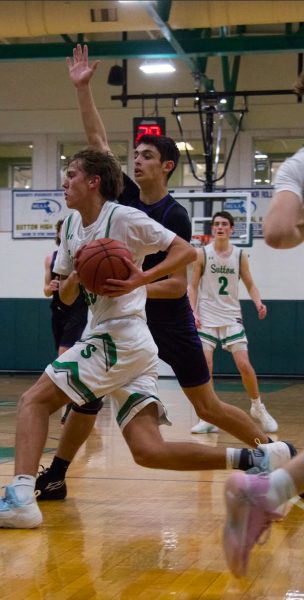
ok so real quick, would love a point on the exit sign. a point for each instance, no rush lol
(148, 125)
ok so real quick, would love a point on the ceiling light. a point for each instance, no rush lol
(157, 68)
(258, 155)
(223, 101)
(182, 146)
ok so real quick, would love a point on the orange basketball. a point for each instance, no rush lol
(101, 260)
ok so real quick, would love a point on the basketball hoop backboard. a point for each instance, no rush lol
(238, 204)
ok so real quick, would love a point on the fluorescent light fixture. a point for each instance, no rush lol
(182, 146)
(260, 156)
(157, 68)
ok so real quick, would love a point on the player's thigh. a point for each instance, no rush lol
(45, 394)
(209, 337)
(203, 397)
(142, 433)
(233, 335)
(240, 356)
(180, 347)
(208, 352)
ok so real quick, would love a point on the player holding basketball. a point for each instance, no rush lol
(253, 502)
(119, 356)
(214, 298)
(169, 314)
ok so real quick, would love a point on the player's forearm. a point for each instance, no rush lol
(284, 222)
(283, 236)
(47, 291)
(255, 296)
(69, 289)
(180, 254)
(166, 289)
(193, 294)
(93, 125)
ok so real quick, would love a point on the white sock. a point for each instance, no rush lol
(24, 487)
(230, 452)
(256, 401)
(282, 488)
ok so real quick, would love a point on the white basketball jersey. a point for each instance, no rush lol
(218, 302)
(142, 235)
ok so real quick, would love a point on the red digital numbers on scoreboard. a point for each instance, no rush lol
(148, 125)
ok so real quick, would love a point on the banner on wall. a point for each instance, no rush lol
(193, 201)
(36, 212)
(260, 198)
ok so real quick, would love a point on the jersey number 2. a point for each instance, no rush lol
(223, 281)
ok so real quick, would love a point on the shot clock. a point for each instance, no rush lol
(148, 125)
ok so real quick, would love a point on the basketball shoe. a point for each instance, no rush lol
(204, 427)
(18, 515)
(249, 516)
(48, 487)
(268, 423)
(268, 457)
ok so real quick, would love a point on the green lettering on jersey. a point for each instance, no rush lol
(89, 297)
(222, 269)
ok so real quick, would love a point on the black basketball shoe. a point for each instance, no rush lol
(48, 487)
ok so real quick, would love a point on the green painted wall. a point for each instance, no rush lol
(274, 343)
(26, 342)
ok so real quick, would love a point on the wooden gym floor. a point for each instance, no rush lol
(129, 533)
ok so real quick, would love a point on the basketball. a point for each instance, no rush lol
(100, 260)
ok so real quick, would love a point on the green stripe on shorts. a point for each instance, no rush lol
(71, 369)
(207, 337)
(233, 338)
(132, 401)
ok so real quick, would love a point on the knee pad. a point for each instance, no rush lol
(90, 408)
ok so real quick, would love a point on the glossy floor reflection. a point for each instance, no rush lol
(128, 533)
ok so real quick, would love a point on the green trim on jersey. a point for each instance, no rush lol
(109, 222)
(72, 371)
(240, 257)
(205, 261)
(69, 220)
(133, 400)
(68, 226)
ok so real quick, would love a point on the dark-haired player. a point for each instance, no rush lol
(214, 297)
